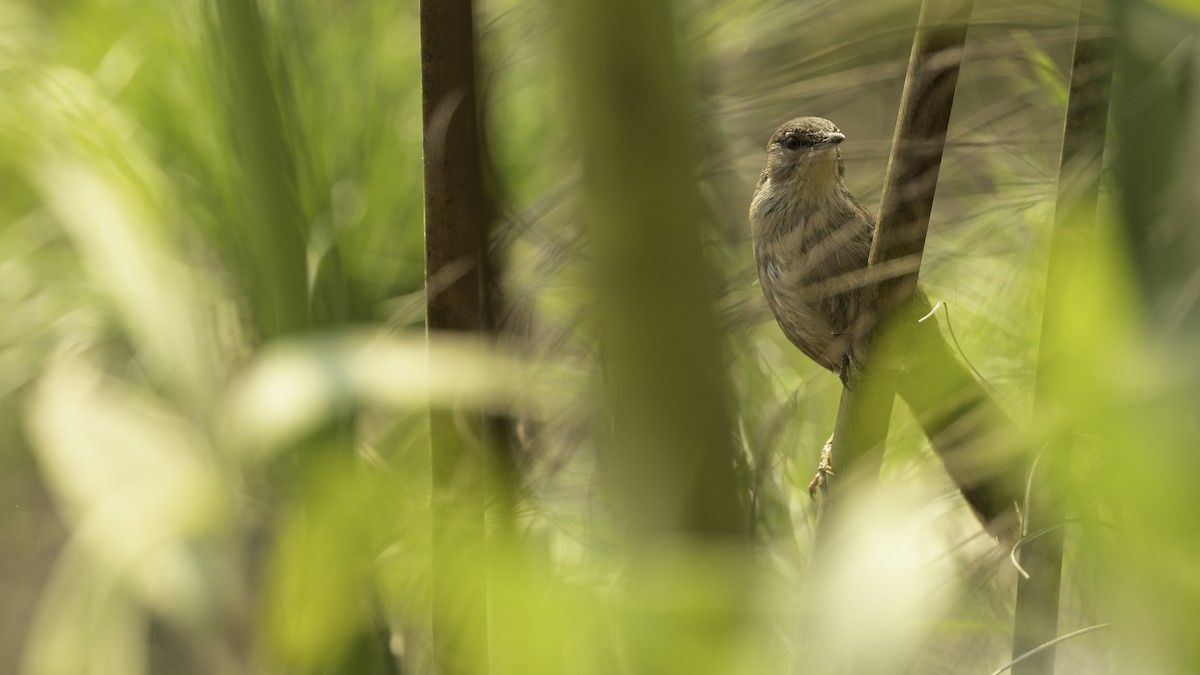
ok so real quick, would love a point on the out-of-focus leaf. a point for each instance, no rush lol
(137, 483)
(1187, 8)
(112, 208)
(886, 576)
(293, 386)
(695, 608)
(86, 623)
(322, 571)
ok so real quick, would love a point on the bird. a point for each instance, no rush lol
(812, 242)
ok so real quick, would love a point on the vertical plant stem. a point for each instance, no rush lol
(672, 448)
(456, 230)
(909, 186)
(1037, 608)
(663, 362)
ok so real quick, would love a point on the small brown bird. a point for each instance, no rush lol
(812, 241)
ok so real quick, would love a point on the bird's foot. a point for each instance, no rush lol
(824, 470)
(844, 369)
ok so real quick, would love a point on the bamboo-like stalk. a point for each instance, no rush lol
(665, 372)
(456, 231)
(1037, 609)
(909, 186)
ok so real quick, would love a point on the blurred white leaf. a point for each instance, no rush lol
(293, 387)
(136, 482)
(885, 576)
(86, 624)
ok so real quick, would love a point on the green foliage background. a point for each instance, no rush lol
(213, 450)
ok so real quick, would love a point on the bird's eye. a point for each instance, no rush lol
(792, 143)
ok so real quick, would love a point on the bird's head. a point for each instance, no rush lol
(805, 149)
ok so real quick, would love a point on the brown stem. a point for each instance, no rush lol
(908, 192)
(456, 232)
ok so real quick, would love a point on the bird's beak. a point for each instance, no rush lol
(835, 138)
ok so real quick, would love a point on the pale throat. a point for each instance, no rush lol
(787, 198)
(817, 178)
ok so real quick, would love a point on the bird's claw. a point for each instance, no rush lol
(844, 369)
(824, 470)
